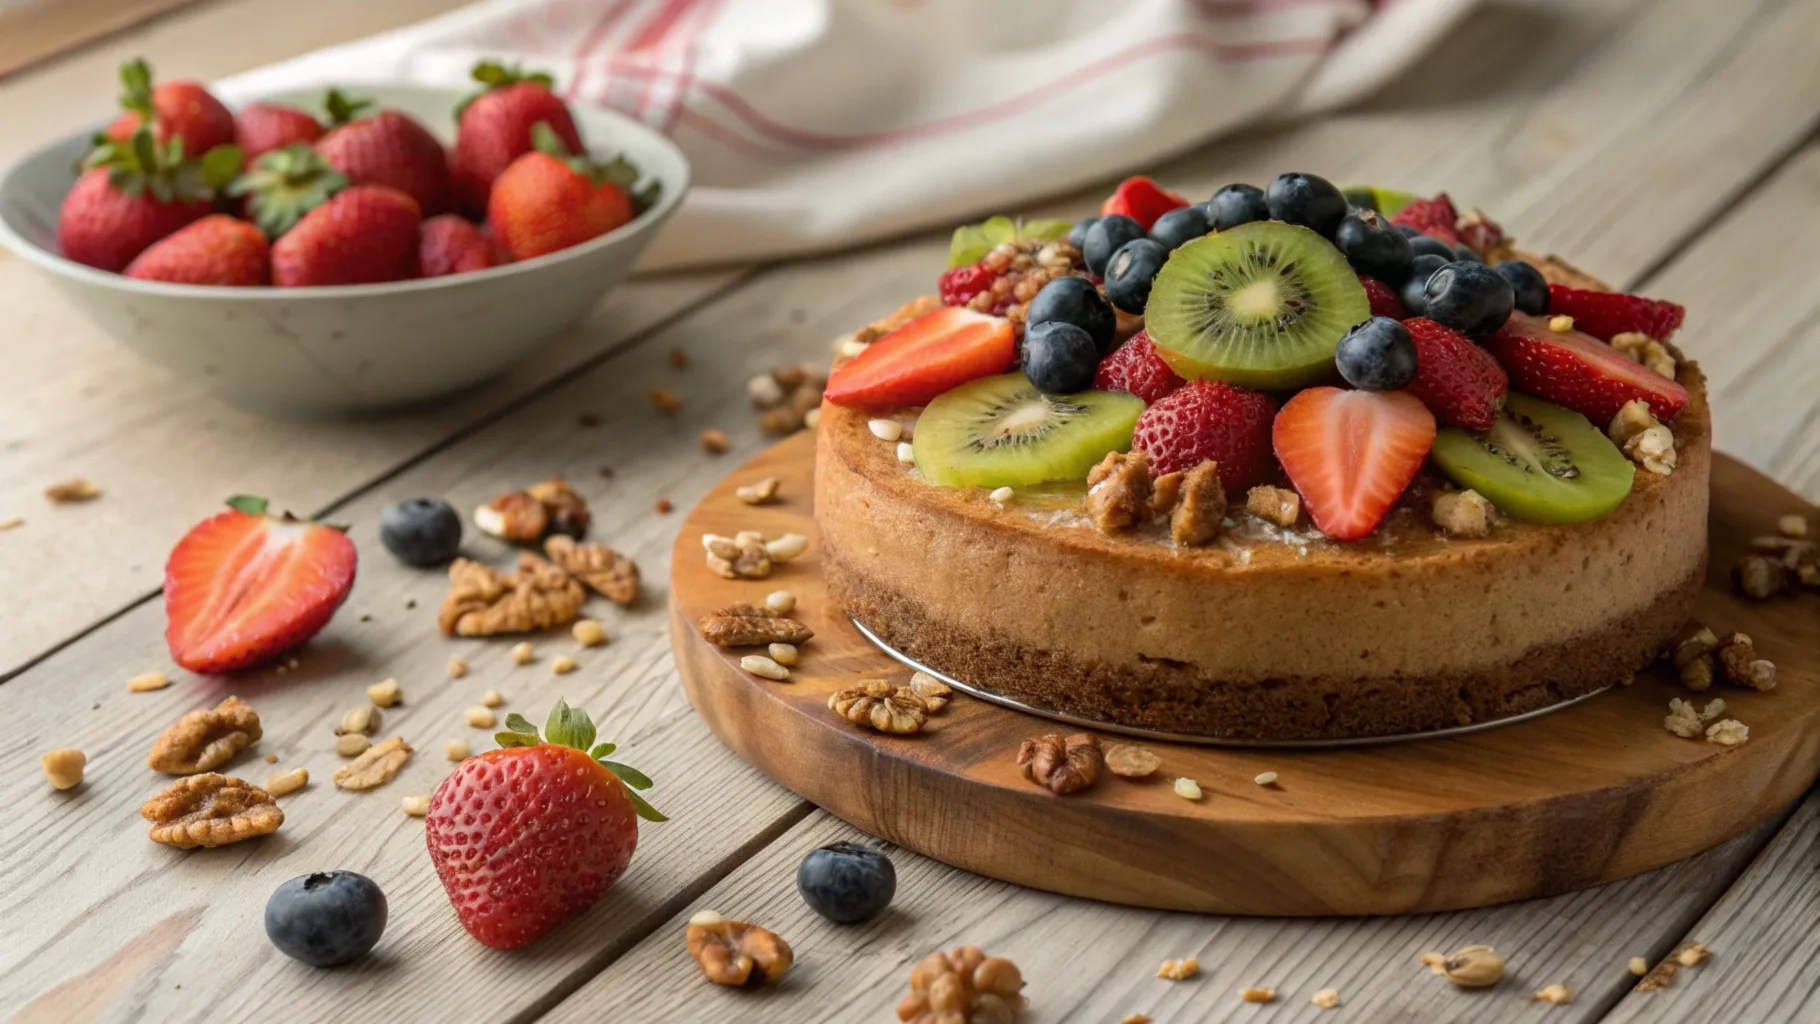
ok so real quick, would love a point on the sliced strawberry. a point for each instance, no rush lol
(1579, 371)
(924, 358)
(1459, 381)
(1431, 217)
(1208, 419)
(1384, 302)
(1351, 454)
(1134, 367)
(1480, 233)
(1142, 200)
(244, 587)
(1605, 315)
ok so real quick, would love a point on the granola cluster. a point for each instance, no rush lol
(1645, 440)
(1122, 493)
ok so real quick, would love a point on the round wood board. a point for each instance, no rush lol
(1592, 793)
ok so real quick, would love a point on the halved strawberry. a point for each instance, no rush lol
(1459, 381)
(1351, 454)
(1142, 200)
(1435, 217)
(1579, 371)
(1605, 315)
(244, 587)
(1384, 302)
(1134, 367)
(924, 358)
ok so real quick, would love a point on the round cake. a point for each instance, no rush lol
(1147, 593)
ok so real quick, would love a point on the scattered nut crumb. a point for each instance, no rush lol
(784, 654)
(1472, 967)
(935, 693)
(662, 506)
(665, 401)
(483, 602)
(780, 602)
(1558, 995)
(1759, 577)
(759, 492)
(1001, 496)
(522, 653)
(67, 491)
(271, 759)
(1727, 732)
(1792, 525)
(1258, 995)
(1200, 507)
(1135, 1018)
(764, 667)
(878, 704)
(1653, 448)
(1683, 720)
(963, 987)
(1639, 966)
(1713, 709)
(1326, 998)
(562, 665)
(481, 717)
(1633, 418)
(906, 453)
(456, 750)
(1463, 513)
(384, 693)
(205, 739)
(364, 719)
(416, 805)
(12, 523)
(1278, 505)
(679, 358)
(715, 441)
(812, 418)
(1130, 761)
(786, 547)
(1062, 765)
(1740, 665)
(1646, 350)
(375, 767)
(1560, 323)
(63, 767)
(458, 667)
(491, 699)
(885, 430)
(1266, 779)
(146, 682)
(764, 391)
(286, 783)
(1187, 789)
(736, 953)
(606, 572)
(588, 633)
(737, 558)
(1118, 491)
(1179, 970)
(210, 810)
(353, 744)
(1693, 955)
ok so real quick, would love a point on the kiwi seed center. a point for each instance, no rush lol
(1524, 444)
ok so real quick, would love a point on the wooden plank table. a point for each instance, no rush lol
(1669, 146)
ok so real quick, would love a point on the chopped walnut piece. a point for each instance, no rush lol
(1129, 761)
(210, 810)
(1556, 270)
(737, 953)
(1728, 732)
(1683, 720)
(375, 767)
(1063, 766)
(1740, 665)
(665, 401)
(1179, 970)
(1278, 505)
(737, 558)
(1653, 448)
(1118, 491)
(876, 703)
(1201, 507)
(1326, 998)
(1713, 709)
(568, 510)
(963, 987)
(205, 739)
(1693, 641)
(1633, 418)
(1558, 995)
(67, 491)
(754, 630)
(482, 602)
(1257, 994)
(1464, 513)
(1758, 577)
(1646, 350)
(1661, 977)
(1697, 674)
(759, 492)
(1693, 955)
(1792, 525)
(935, 693)
(605, 571)
(715, 441)
(515, 517)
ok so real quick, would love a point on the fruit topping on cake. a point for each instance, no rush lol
(1134, 367)
(1208, 419)
(1306, 199)
(1074, 300)
(1538, 462)
(1351, 454)
(1142, 200)
(1383, 298)
(1432, 217)
(999, 265)
(1106, 236)
(1579, 371)
(1529, 288)
(1458, 380)
(1377, 355)
(1003, 432)
(1237, 204)
(1469, 297)
(923, 358)
(1605, 315)
(1373, 246)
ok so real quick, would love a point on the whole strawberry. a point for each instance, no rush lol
(366, 234)
(284, 184)
(1208, 419)
(388, 149)
(244, 587)
(1457, 379)
(495, 129)
(447, 244)
(531, 834)
(135, 193)
(549, 200)
(262, 127)
(1136, 368)
(178, 110)
(216, 250)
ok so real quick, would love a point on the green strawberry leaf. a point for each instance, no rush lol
(252, 506)
(569, 727)
(136, 88)
(342, 109)
(545, 140)
(644, 808)
(494, 75)
(629, 775)
(602, 750)
(516, 739)
(519, 723)
(1045, 230)
(221, 165)
(284, 184)
(971, 242)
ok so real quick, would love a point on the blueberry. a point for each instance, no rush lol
(1465, 254)
(1429, 245)
(846, 882)
(1105, 237)
(1131, 271)
(1471, 298)
(1059, 358)
(1177, 227)
(1077, 235)
(1415, 299)
(1308, 200)
(1530, 286)
(1373, 249)
(326, 918)
(421, 531)
(1237, 204)
(1408, 232)
(1074, 300)
(1377, 355)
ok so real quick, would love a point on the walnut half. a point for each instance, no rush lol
(887, 708)
(210, 810)
(737, 953)
(205, 739)
(1063, 766)
(482, 602)
(605, 571)
(963, 987)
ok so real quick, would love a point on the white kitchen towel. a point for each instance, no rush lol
(813, 124)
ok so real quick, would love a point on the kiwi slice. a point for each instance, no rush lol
(1263, 304)
(1002, 432)
(1387, 201)
(1538, 462)
(971, 242)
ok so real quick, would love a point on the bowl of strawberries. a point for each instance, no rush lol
(326, 253)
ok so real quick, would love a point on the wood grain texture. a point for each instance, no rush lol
(38, 30)
(1085, 961)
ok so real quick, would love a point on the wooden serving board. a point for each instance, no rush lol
(1594, 792)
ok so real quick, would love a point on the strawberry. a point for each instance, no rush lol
(364, 235)
(388, 149)
(1579, 371)
(135, 193)
(1480, 233)
(1142, 200)
(494, 129)
(958, 285)
(1431, 217)
(284, 184)
(1135, 367)
(447, 244)
(1352, 454)
(244, 587)
(533, 833)
(1459, 381)
(1207, 419)
(923, 358)
(218, 249)
(178, 110)
(1384, 302)
(1605, 315)
(549, 200)
(262, 127)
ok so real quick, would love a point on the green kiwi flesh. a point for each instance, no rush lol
(1538, 462)
(1002, 432)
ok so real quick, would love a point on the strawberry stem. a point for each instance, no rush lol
(571, 727)
(136, 91)
(249, 504)
(342, 109)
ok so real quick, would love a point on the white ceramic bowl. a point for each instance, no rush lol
(312, 352)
